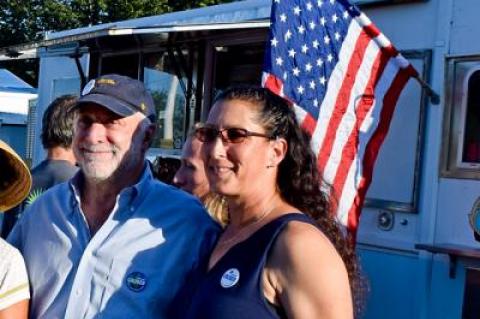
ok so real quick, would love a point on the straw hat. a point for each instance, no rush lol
(15, 178)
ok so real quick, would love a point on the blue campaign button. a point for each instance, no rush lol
(136, 281)
(230, 278)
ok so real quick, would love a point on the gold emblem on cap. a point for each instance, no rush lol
(106, 81)
(143, 107)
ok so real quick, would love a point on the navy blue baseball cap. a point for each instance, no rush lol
(120, 94)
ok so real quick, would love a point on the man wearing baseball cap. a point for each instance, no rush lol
(113, 241)
(15, 183)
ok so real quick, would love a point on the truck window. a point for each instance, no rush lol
(461, 146)
(471, 136)
(238, 64)
(124, 64)
(165, 87)
(233, 62)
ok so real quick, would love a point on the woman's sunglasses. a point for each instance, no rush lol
(208, 134)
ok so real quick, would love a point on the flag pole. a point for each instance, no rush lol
(434, 97)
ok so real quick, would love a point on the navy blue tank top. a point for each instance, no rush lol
(233, 288)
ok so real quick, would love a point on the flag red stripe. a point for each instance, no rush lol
(309, 124)
(390, 50)
(373, 147)
(274, 84)
(372, 30)
(350, 148)
(343, 98)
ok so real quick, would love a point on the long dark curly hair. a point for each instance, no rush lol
(298, 178)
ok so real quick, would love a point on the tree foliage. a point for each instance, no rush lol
(26, 21)
(23, 21)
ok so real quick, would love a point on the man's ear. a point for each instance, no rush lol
(279, 147)
(149, 135)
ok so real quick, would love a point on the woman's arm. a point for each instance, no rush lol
(306, 276)
(18, 310)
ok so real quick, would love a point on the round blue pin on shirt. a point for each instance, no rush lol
(136, 281)
(230, 278)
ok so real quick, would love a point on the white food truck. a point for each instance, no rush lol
(415, 241)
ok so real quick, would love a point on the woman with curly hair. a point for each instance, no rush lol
(282, 255)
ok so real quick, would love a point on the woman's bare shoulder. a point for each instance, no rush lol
(308, 274)
(302, 242)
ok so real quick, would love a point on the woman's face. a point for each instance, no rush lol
(236, 168)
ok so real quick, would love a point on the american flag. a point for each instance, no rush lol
(343, 77)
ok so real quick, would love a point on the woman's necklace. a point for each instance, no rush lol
(245, 228)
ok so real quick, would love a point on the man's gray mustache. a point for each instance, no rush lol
(97, 148)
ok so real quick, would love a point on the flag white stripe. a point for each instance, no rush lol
(300, 113)
(382, 40)
(363, 20)
(334, 85)
(347, 124)
(401, 61)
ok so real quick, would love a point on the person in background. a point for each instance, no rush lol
(59, 165)
(57, 137)
(191, 178)
(164, 169)
(113, 242)
(282, 254)
(15, 182)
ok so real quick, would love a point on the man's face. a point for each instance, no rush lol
(106, 144)
(191, 175)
